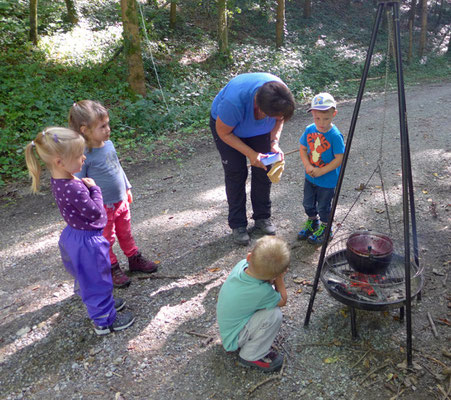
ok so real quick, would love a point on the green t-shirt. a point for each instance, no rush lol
(240, 297)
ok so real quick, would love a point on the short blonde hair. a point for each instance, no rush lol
(270, 257)
(50, 143)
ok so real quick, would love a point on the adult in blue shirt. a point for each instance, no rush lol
(247, 118)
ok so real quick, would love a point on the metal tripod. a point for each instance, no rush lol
(407, 183)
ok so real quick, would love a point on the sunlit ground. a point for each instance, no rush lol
(81, 45)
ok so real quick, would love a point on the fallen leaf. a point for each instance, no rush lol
(425, 191)
(437, 272)
(389, 377)
(214, 269)
(435, 174)
(379, 211)
(331, 360)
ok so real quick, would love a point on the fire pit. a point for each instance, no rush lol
(373, 292)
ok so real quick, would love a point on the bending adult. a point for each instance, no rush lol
(246, 121)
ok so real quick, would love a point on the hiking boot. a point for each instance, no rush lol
(265, 226)
(319, 235)
(139, 263)
(120, 280)
(123, 321)
(240, 236)
(310, 226)
(271, 362)
(119, 304)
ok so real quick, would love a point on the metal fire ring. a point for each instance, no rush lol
(376, 292)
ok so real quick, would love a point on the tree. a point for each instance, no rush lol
(280, 23)
(307, 8)
(222, 27)
(34, 21)
(424, 23)
(411, 29)
(172, 14)
(71, 11)
(132, 46)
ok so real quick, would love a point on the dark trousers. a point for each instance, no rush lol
(236, 171)
(317, 200)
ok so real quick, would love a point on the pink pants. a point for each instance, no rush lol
(119, 224)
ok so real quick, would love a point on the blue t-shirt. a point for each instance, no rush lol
(234, 105)
(102, 165)
(240, 297)
(321, 150)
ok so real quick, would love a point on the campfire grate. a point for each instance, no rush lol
(373, 292)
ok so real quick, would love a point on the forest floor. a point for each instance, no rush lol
(48, 349)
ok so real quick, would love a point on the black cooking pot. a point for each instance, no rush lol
(369, 252)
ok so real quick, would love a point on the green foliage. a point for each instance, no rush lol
(183, 69)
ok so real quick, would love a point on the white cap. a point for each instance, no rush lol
(322, 102)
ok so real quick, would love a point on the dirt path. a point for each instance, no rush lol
(48, 351)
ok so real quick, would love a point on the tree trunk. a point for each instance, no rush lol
(173, 14)
(307, 8)
(424, 23)
(34, 21)
(132, 46)
(222, 27)
(280, 23)
(71, 11)
(411, 29)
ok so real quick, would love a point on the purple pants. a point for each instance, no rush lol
(85, 256)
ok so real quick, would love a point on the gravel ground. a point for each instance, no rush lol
(49, 351)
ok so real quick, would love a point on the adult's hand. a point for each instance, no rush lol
(225, 133)
(255, 159)
(275, 148)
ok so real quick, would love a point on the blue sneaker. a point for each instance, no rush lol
(310, 226)
(319, 235)
(123, 321)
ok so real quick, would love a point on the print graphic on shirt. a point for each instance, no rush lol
(318, 144)
(112, 162)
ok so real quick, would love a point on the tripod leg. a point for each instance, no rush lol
(345, 159)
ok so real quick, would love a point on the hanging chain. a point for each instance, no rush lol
(380, 160)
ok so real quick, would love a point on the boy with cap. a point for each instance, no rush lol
(322, 147)
(248, 312)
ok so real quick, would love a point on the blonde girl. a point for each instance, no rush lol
(91, 120)
(84, 250)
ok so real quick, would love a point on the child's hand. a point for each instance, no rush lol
(89, 182)
(317, 172)
(129, 196)
(309, 169)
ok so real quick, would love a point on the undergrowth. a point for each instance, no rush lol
(184, 71)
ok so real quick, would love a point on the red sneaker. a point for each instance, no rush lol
(271, 362)
(120, 280)
(138, 263)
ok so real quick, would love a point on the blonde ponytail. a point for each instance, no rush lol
(34, 167)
